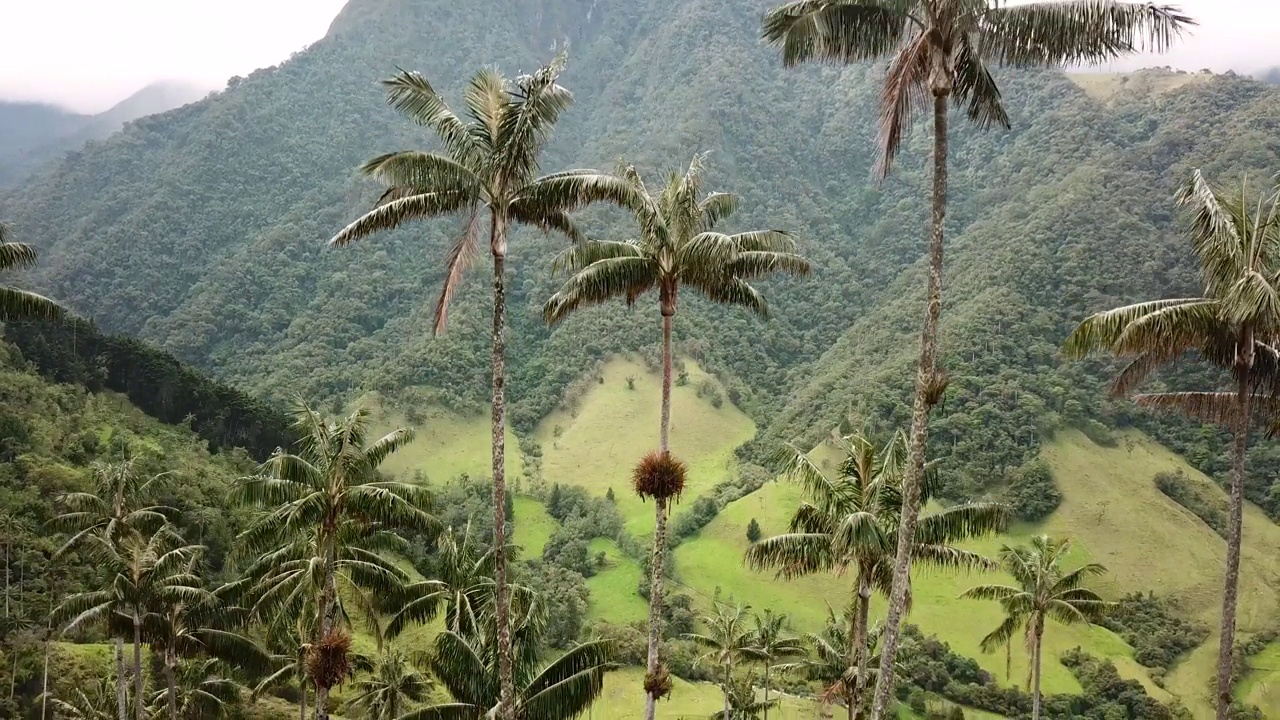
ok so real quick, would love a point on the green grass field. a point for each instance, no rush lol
(533, 526)
(613, 589)
(596, 444)
(446, 444)
(1261, 686)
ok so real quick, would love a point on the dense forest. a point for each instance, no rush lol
(221, 347)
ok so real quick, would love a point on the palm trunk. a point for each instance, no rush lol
(328, 606)
(1036, 642)
(302, 709)
(1226, 643)
(44, 682)
(138, 689)
(172, 690)
(728, 676)
(926, 385)
(498, 247)
(660, 513)
(122, 702)
(860, 654)
(766, 690)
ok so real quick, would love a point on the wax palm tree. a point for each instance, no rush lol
(290, 643)
(1042, 591)
(468, 667)
(489, 165)
(329, 519)
(742, 701)
(726, 640)
(142, 571)
(393, 684)
(203, 688)
(851, 522)
(834, 652)
(462, 582)
(679, 245)
(18, 304)
(89, 701)
(941, 51)
(771, 646)
(1234, 325)
(118, 503)
(198, 624)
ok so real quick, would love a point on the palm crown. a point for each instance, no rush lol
(678, 244)
(16, 304)
(946, 47)
(488, 162)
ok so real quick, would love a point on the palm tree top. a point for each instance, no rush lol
(487, 162)
(946, 46)
(18, 304)
(679, 244)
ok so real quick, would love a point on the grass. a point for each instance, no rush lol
(1104, 86)
(613, 589)
(446, 444)
(596, 444)
(533, 526)
(1261, 686)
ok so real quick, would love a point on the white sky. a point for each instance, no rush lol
(89, 54)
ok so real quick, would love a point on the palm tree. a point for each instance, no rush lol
(769, 645)
(678, 245)
(90, 701)
(328, 518)
(203, 689)
(489, 164)
(463, 584)
(393, 683)
(116, 506)
(941, 50)
(290, 644)
(18, 304)
(851, 523)
(728, 638)
(834, 652)
(468, 667)
(1042, 591)
(197, 624)
(742, 701)
(143, 571)
(1234, 325)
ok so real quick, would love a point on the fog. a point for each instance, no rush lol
(89, 54)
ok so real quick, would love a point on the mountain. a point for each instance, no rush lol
(34, 134)
(202, 230)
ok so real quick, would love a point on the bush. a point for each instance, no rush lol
(1158, 636)
(1204, 504)
(1032, 494)
(753, 532)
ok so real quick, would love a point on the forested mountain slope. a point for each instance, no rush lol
(36, 134)
(202, 229)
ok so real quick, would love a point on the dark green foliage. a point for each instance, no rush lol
(1202, 502)
(1159, 636)
(564, 593)
(753, 531)
(1032, 494)
(693, 518)
(74, 351)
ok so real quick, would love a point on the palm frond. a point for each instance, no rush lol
(1219, 408)
(601, 281)
(15, 256)
(461, 256)
(1103, 331)
(394, 213)
(905, 93)
(976, 91)
(411, 94)
(18, 304)
(836, 31)
(1073, 32)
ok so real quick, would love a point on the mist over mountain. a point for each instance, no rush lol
(34, 134)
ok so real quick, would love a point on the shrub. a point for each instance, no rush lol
(1032, 494)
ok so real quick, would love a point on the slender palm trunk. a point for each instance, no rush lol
(1036, 643)
(328, 608)
(728, 677)
(1226, 643)
(506, 680)
(926, 380)
(860, 654)
(44, 682)
(122, 702)
(170, 660)
(302, 709)
(660, 518)
(138, 689)
(766, 689)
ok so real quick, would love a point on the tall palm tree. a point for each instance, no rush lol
(89, 701)
(679, 244)
(770, 644)
(203, 689)
(462, 582)
(488, 165)
(742, 701)
(851, 523)
(18, 304)
(941, 51)
(329, 517)
(727, 639)
(391, 686)
(1234, 325)
(834, 653)
(468, 667)
(289, 643)
(1042, 591)
(142, 571)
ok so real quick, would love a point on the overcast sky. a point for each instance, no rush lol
(89, 54)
